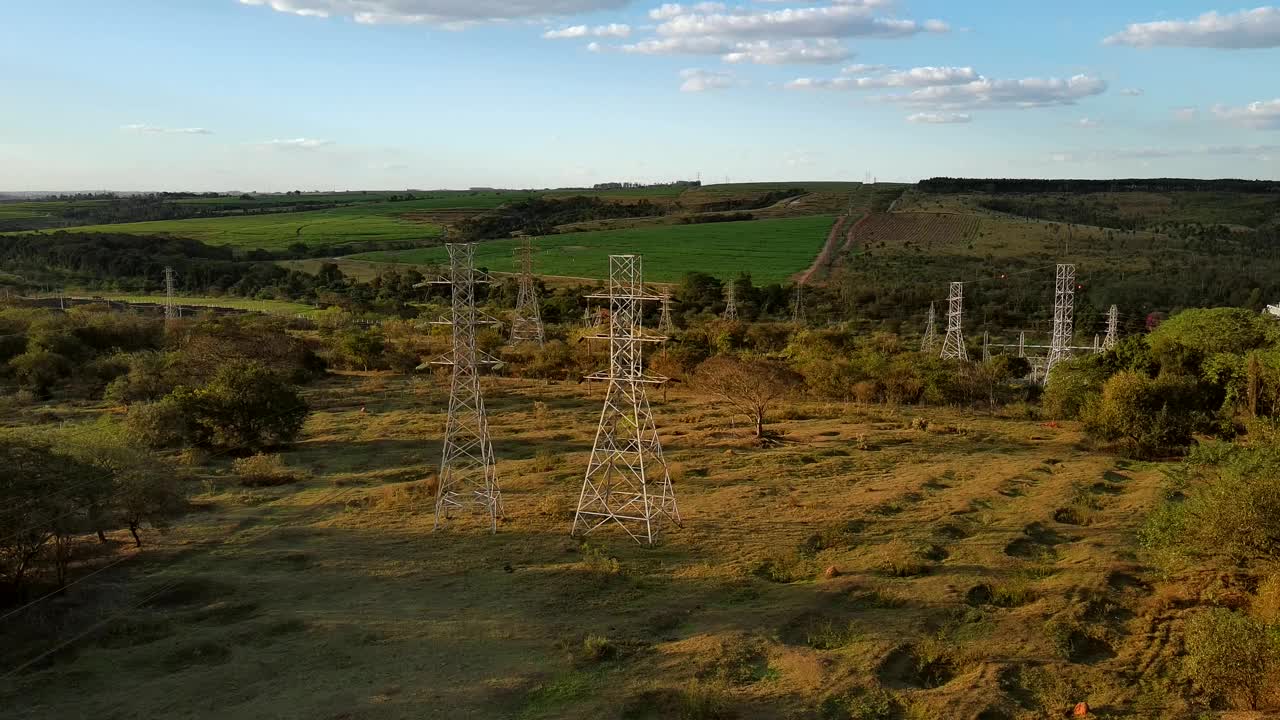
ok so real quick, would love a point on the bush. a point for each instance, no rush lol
(161, 424)
(1230, 507)
(1151, 416)
(1074, 385)
(1232, 658)
(244, 406)
(263, 471)
(38, 370)
(148, 378)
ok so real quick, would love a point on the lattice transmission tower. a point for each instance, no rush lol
(797, 306)
(170, 302)
(627, 480)
(953, 344)
(1022, 344)
(930, 339)
(468, 476)
(1064, 297)
(526, 325)
(986, 346)
(666, 325)
(730, 302)
(1113, 328)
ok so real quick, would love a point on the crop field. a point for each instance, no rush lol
(866, 559)
(771, 250)
(930, 231)
(351, 225)
(274, 307)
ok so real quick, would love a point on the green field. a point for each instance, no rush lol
(771, 250)
(273, 307)
(376, 222)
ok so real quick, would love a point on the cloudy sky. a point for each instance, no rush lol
(339, 94)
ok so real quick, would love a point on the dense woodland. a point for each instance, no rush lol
(1155, 185)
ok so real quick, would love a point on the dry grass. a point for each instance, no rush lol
(362, 611)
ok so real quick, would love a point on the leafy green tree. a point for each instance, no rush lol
(1183, 342)
(45, 497)
(245, 405)
(39, 370)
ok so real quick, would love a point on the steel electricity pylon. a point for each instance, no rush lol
(666, 325)
(627, 480)
(953, 344)
(930, 339)
(526, 325)
(170, 302)
(730, 302)
(986, 346)
(1022, 344)
(1113, 328)
(1064, 295)
(797, 306)
(468, 477)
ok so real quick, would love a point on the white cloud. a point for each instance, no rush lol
(939, 118)
(1133, 92)
(960, 88)
(826, 22)
(616, 30)
(679, 46)
(922, 77)
(1261, 115)
(298, 143)
(1154, 153)
(696, 80)
(154, 130)
(862, 69)
(1189, 113)
(1258, 28)
(666, 11)
(766, 52)
(594, 46)
(1087, 123)
(449, 13)
(985, 93)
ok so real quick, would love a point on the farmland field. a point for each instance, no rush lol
(954, 585)
(771, 250)
(275, 307)
(352, 225)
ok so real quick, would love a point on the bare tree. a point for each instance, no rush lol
(748, 385)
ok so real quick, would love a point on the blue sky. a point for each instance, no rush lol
(342, 94)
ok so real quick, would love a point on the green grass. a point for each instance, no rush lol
(771, 250)
(373, 222)
(276, 307)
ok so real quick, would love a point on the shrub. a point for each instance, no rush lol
(598, 648)
(263, 471)
(159, 424)
(1151, 416)
(1233, 658)
(1073, 386)
(1230, 507)
(245, 405)
(38, 370)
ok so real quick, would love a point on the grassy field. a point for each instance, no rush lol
(275, 307)
(348, 225)
(771, 250)
(928, 562)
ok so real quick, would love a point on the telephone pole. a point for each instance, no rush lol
(730, 303)
(953, 344)
(526, 326)
(467, 472)
(930, 339)
(1064, 295)
(627, 480)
